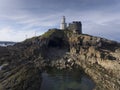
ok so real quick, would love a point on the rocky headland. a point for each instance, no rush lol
(21, 65)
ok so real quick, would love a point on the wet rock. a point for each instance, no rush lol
(25, 77)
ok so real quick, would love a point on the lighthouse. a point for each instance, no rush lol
(63, 23)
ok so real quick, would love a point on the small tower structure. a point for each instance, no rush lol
(76, 27)
(63, 23)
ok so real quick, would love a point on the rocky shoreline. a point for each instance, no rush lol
(97, 57)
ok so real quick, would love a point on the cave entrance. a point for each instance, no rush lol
(56, 43)
(57, 48)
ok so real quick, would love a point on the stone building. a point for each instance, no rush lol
(75, 26)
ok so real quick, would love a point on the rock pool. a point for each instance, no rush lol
(66, 80)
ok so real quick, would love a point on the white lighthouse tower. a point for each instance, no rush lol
(63, 23)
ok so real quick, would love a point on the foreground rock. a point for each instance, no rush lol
(97, 57)
(24, 77)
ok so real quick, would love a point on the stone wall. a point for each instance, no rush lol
(76, 27)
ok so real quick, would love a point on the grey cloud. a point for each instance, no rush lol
(99, 17)
(67, 4)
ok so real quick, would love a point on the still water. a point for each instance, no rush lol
(0, 67)
(66, 80)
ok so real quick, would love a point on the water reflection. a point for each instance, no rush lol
(66, 80)
(0, 67)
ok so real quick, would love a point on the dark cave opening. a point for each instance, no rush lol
(56, 48)
(56, 42)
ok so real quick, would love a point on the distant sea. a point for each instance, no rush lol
(6, 43)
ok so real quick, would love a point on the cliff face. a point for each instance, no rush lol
(97, 57)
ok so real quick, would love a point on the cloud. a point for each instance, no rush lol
(21, 17)
(9, 34)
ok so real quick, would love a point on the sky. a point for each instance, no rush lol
(21, 19)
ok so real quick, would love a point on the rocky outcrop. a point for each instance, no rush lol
(24, 77)
(97, 57)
